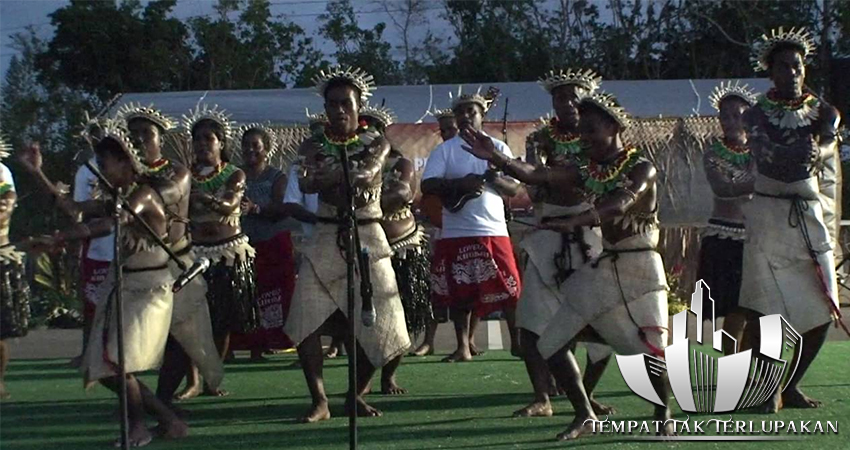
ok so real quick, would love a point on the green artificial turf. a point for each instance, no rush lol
(450, 406)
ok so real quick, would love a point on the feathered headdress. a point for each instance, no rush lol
(364, 82)
(313, 119)
(608, 103)
(112, 129)
(441, 113)
(5, 148)
(380, 113)
(727, 90)
(485, 101)
(219, 116)
(130, 111)
(585, 79)
(765, 45)
(274, 144)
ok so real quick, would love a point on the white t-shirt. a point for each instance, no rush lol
(293, 194)
(6, 176)
(483, 216)
(102, 248)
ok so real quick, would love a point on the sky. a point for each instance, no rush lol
(16, 15)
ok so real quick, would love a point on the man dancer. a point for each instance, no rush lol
(448, 129)
(320, 303)
(191, 335)
(621, 295)
(474, 268)
(554, 257)
(788, 266)
(411, 256)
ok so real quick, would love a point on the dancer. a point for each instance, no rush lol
(473, 269)
(191, 338)
(448, 129)
(320, 303)
(619, 297)
(14, 291)
(788, 265)
(411, 256)
(147, 305)
(729, 169)
(554, 257)
(264, 221)
(217, 190)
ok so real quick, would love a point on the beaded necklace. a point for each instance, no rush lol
(736, 154)
(158, 166)
(331, 145)
(211, 182)
(566, 144)
(790, 114)
(603, 178)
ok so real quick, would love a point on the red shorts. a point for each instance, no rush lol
(475, 272)
(92, 274)
(275, 269)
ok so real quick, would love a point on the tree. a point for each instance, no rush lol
(105, 48)
(364, 48)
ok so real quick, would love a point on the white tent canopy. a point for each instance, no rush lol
(527, 101)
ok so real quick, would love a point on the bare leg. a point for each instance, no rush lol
(312, 363)
(139, 435)
(510, 318)
(592, 374)
(388, 382)
(474, 321)
(733, 324)
(365, 371)
(813, 340)
(662, 413)
(460, 318)
(222, 343)
(564, 367)
(538, 373)
(193, 384)
(175, 365)
(4, 361)
(427, 347)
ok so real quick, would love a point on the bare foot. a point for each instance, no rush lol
(172, 430)
(662, 414)
(535, 409)
(390, 387)
(319, 411)
(190, 392)
(474, 350)
(215, 393)
(332, 353)
(601, 410)
(423, 350)
(576, 429)
(139, 437)
(363, 409)
(459, 356)
(794, 398)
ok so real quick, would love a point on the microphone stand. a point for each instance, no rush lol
(351, 236)
(119, 205)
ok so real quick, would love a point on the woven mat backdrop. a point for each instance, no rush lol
(674, 145)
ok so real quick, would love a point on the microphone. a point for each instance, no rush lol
(368, 314)
(200, 266)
